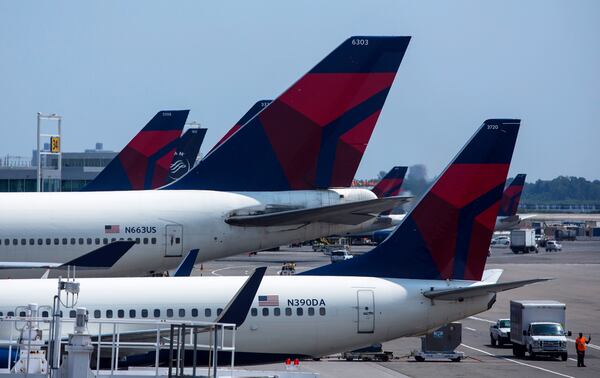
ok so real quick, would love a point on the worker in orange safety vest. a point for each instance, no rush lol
(580, 345)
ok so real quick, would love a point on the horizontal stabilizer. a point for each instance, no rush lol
(103, 257)
(478, 290)
(237, 309)
(351, 213)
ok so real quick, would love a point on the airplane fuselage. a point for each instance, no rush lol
(57, 227)
(311, 316)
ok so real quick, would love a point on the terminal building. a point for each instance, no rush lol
(19, 174)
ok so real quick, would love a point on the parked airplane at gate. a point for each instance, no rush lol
(308, 139)
(429, 272)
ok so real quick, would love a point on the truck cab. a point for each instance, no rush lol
(544, 338)
(500, 332)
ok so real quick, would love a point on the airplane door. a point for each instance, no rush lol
(366, 311)
(174, 240)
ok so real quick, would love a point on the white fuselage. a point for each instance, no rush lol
(318, 315)
(58, 227)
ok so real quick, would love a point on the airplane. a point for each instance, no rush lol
(264, 186)
(186, 154)
(144, 162)
(429, 272)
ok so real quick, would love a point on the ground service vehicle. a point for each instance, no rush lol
(340, 255)
(371, 353)
(523, 241)
(553, 245)
(537, 327)
(500, 332)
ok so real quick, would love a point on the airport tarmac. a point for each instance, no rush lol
(576, 273)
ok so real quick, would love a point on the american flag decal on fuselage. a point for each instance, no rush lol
(112, 229)
(268, 300)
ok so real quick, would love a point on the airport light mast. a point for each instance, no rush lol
(55, 147)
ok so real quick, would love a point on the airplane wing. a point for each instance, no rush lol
(461, 293)
(351, 213)
(560, 217)
(103, 257)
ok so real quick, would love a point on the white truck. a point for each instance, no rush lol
(523, 241)
(500, 332)
(537, 327)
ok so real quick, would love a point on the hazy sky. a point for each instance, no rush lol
(109, 66)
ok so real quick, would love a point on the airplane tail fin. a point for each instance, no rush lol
(144, 162)
(448, 233)
(512, 196)
(312, 136)
(390, 184)
(254, 110)
(186, 154)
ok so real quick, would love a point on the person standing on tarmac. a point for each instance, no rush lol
(580, 344)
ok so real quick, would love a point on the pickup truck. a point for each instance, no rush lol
(500, 332)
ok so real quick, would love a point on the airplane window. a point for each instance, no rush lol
(144, 313)
(120, 313)
(105, 241)
(288, 311)
(153, 240)
(56, 242)
(48, 241)
(121, 238)
(276, 311)
(97, 241)
(219, 311)
(40, 242)
(182, 313)
(112, 240)
(10, 313)
(322, 311)
(22, 314)
(6, 241)
(129, 239)
(15, 241)
(23, 241)
(169, 313)
(80, 240)
(97, 314)
(145, 240)
(253, 312)
(45, 314)
(195, 312)
(311, 311)
(207, 312)
(31, 241)
(89, 241)
(137, 240)
(299, 311)
(132, 313)
(177, 240)
(72, 241)
(265, 311)
(1, 314)
(109, 314)
(64, 241)
(72, 313)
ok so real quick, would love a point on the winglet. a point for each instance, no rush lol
(187, 264)
(237, 309)
(103, 257)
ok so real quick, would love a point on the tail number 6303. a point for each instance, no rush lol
(360, 42)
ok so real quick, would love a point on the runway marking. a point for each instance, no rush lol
(471, 329)
(518, 362)
(214, 272)
(482, 319)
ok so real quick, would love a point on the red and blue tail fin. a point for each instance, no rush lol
(512, 196)
(448, 233)
(390, 184)
(314, 135)
(187, 152)
(254, 110)
(144, 163)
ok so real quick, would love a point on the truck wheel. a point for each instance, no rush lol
(385, 358)
(492, 340)
(457, 359)
(419, 358)
(500, 342)
(564, 356)
(349, 358)
(516, 252)
(515, 352)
